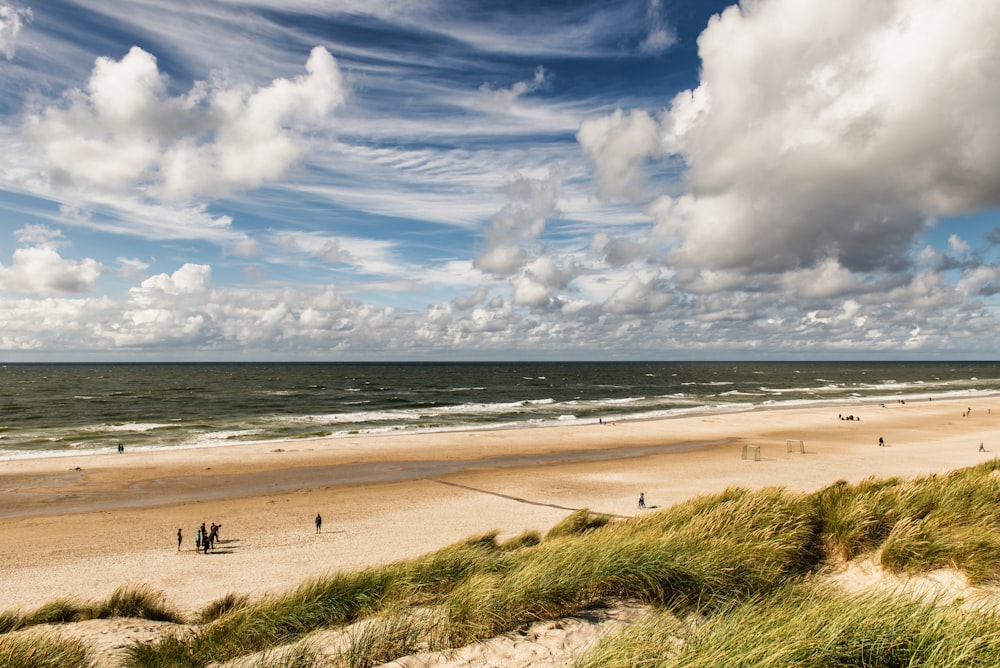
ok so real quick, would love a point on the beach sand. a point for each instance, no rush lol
(82, 526)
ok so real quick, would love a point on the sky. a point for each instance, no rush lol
(348, 180)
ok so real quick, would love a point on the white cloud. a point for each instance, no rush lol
(464, 303)
(125, 131)
(660, 37)
(191, 279)
(541, 279)
(501, 260)
(619, 145)
(38, 270)
(956, 244)
(40, 235)
(643, 293)
(824, 281)
(132, 268)
(503, 99)
(520, 221)
(12, 19)
(182, 312)
(821, 132)
(365, 256)
(244, 247)
(979, 282)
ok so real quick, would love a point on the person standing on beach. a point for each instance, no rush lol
(881, 441)
(319, 522)
(642, 500)
(180, 539)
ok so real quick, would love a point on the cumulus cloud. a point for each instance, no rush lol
(956, 244)
(616, 251)
(38, 270)
(520, 221)
(930, 311)
(817, 134)
(464, 303)
(645, 292)
(619, 145)
(827, 280)
(124, 130)
(190, 279)
(12, 19)
(541, 279)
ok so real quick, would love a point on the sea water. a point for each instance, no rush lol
(52, 409)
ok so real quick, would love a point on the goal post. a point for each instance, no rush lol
(795, 445)
(751, 452)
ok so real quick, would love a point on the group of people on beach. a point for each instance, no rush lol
(204, 538)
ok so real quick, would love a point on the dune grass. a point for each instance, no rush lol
(140, 601)
(222, 606)
(38, 651)
(804, 624)
(732, 574)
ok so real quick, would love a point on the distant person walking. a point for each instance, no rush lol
(642, 500)
(881, 442)
(180, 539)
(319, 523)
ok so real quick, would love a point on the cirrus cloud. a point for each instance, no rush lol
(12, 19)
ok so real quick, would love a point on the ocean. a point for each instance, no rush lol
(53, 409)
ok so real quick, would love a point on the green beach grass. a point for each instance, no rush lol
(733, 579)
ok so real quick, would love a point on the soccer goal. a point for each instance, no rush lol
(792, 445)
(751, 452)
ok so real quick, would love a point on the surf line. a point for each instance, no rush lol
(514, 498)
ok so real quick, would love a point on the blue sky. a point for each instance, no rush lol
(443, 180)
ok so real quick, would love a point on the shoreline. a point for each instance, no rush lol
(81, 533)
(679, 414)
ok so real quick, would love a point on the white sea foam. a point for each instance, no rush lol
(127, 427)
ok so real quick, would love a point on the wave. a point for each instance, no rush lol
(303, 402)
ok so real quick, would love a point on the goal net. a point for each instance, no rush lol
(792, 445)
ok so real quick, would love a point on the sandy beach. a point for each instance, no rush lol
(82, 526)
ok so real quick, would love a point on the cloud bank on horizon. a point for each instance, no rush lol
(259, 180)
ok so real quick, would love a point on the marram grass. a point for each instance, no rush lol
(807, 625)
(37, 651)
(128, 601)
(731, 575)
